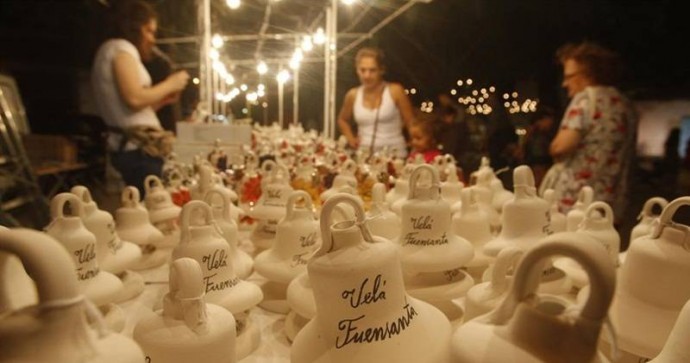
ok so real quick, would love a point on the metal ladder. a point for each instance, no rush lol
(18, 184)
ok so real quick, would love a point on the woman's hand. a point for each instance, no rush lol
(178, 80)
(353, 141)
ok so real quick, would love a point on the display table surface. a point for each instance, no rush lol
(274, 346)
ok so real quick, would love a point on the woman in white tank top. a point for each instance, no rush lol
(380, 109)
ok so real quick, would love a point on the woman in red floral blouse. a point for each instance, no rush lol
(596, 140)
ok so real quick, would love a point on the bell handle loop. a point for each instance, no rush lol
(267, 166)
(507, 258)
(46, 261)
(186, 215)
(292, 200)
(666, 217)
(523, 182)
(586, 251)
(151, 182)
(586, 195)
(597, 206)
(650, 204)
(276, 171)
(349, 166)
(326, 219)
(224, 196)
(130, 196)
(435, 183)
(57, 206)
(82, 192)
(175, 177)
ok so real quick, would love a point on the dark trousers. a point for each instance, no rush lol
(135, 166)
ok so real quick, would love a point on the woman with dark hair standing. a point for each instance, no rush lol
(125, 97)
(596, 142)
(380, 109)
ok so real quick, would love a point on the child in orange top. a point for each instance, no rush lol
(423, 140)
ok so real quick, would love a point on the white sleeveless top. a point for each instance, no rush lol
(111, 106)
(389, 131)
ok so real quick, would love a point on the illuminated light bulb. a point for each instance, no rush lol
(483, 90)
(294, 64)
(319, 37)
(307, 45)
(515, 104)
(243, 87)
(348, 2)
(431, 104)
(460, 82)
(260, 93)
(195, 80)
(245, 111)
(506, 105)
(453, 92)
(514, 94)
(506, 96)
(261, 87)
(461, 100)
(413, 91)
(229, 79)
(213, 54)
(220, 96)
(283, 76)
(479, 108)
(407, 91)
(474, 93)
(469, 81)
(264, 105)
(492, 89)
(473, 101)
(262, 68)
(481, 99)
(423, 104)
(217, 41)
(252, 97)
(233, 4)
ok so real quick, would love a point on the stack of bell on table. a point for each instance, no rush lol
(432, 255)
(297, 237)
(163, 213)
(270, 208)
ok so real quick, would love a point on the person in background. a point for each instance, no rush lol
(160, 66)
(380, 109)
(596, 141)
(453, 134)
(423, 139)
(125, 97)
(502, 142)
(537, 141)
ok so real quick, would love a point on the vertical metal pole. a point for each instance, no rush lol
(205, 77)
(281, 108)
(333, 60)
(295, 90)
(326, 77)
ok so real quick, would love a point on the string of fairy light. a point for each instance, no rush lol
(476, 98)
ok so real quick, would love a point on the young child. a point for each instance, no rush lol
(423, 139)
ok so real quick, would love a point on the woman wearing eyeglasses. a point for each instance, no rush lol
(596, 141)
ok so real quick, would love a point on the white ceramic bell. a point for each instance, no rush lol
(598, 224)
(362, 311)
(653, 286)
(675, 350)
(242, 263)
(484, 297)
(300, 298)
(56, 329)
(346, 178)
(577, 213)
(204, 244)
(473, 224)
(427, 241)
(163, 213)
(525, 219)
(17, 289)
(646, 218)
(297, 237)
(114, 255)
(400, 190)
(452, 187)
(187, 329)
(134, 225)
(557, 220)
(380, 219)
(270, 208)
(101, 287)
(527, 327)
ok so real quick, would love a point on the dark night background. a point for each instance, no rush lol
(48, 46)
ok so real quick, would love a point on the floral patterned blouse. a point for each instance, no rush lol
(608, 128)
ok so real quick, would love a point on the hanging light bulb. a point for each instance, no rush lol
(252, 97)
(262, 68)
(261, 87)
(319, 36)
(348, 2)
(213, 54)
(233, 4)
(260, 93)
(307, 44)
(296, 59)
(283, 76)
(229, 79)
(217, 41)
